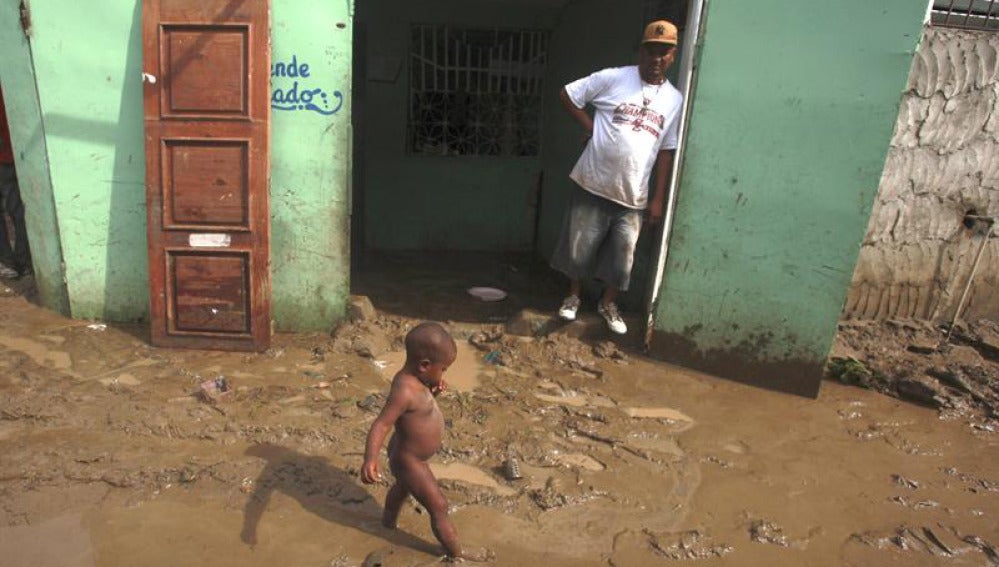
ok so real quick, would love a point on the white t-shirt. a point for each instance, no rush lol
(633, 121)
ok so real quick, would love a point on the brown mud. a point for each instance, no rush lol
(113, 457)
(955, 371)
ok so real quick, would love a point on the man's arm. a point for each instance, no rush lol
(578, 114)
(398, 402)
(664, 169)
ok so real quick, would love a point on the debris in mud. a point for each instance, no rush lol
(939, 540)
(549, 498)
(529, 323)
(346, 409)
(976, 484)
(556, 495)
(920, 391)
(855, 373)
(687, 545)
(485, 340)
(188, 475)
(919, 505)
(274, 352)
(718, 461)
(762, 531)
(570, 353)
(216, 390)
(495, 357)
(905, 482)
(910, 360)
(609, 350)
(511, 469)
(372, 403)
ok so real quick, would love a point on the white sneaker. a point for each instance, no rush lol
(6, 271)
(614, 321)
(570, 306)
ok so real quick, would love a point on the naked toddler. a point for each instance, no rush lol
(419, 424)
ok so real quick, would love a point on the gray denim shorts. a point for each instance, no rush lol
(598, 240)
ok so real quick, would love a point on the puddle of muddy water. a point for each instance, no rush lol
(575, 399)
(38, 352)
(62, 541)
(462, 376)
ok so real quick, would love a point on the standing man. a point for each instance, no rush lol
(633, 130)
(14, 261)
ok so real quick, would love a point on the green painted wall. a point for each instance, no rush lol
(424, 202)
(310, 166)
(790, 126)
(17, 78)
(87, 63)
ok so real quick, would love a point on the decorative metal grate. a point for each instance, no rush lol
(475, 92)
(967, 14)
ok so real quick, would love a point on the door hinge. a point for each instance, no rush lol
(26, 18)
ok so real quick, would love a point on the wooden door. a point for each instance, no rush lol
(207, 107)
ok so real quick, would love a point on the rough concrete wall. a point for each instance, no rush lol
(943, 163)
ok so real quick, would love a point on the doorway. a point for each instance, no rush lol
(16, 268)
(461, 157)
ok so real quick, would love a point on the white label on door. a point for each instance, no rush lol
(209, 240)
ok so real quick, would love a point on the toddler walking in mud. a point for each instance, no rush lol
(419, 424)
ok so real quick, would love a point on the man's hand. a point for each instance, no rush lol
(370, 473)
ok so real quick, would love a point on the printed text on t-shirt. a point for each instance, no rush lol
(639, 118)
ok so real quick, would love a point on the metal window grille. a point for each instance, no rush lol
(475, 92)
(967, 14)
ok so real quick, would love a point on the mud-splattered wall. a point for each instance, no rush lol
(918, 253)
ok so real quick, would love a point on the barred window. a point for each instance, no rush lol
(475, 92)
(968, 14)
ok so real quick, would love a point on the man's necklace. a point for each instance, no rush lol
(646, 97)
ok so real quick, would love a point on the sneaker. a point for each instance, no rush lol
(614, 321)
(7, 272)
(569, 307)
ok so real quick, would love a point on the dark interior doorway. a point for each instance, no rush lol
(16, 269)
(441, 205)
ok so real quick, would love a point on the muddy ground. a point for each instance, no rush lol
(112, 457)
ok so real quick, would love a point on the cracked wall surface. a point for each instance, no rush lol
(943, 163)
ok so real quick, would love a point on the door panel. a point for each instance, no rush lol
(209, 292)
(207, 154)
(208, 66)
(206, 184)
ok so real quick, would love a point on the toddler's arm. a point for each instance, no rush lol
(398, 402)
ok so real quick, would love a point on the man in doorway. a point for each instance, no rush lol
(15, 261)
(634, 130)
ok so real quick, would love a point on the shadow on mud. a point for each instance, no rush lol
(324, 490)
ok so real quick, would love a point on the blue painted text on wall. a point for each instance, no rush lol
(298, 95)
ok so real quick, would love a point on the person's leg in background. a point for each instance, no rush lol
(14, 260)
